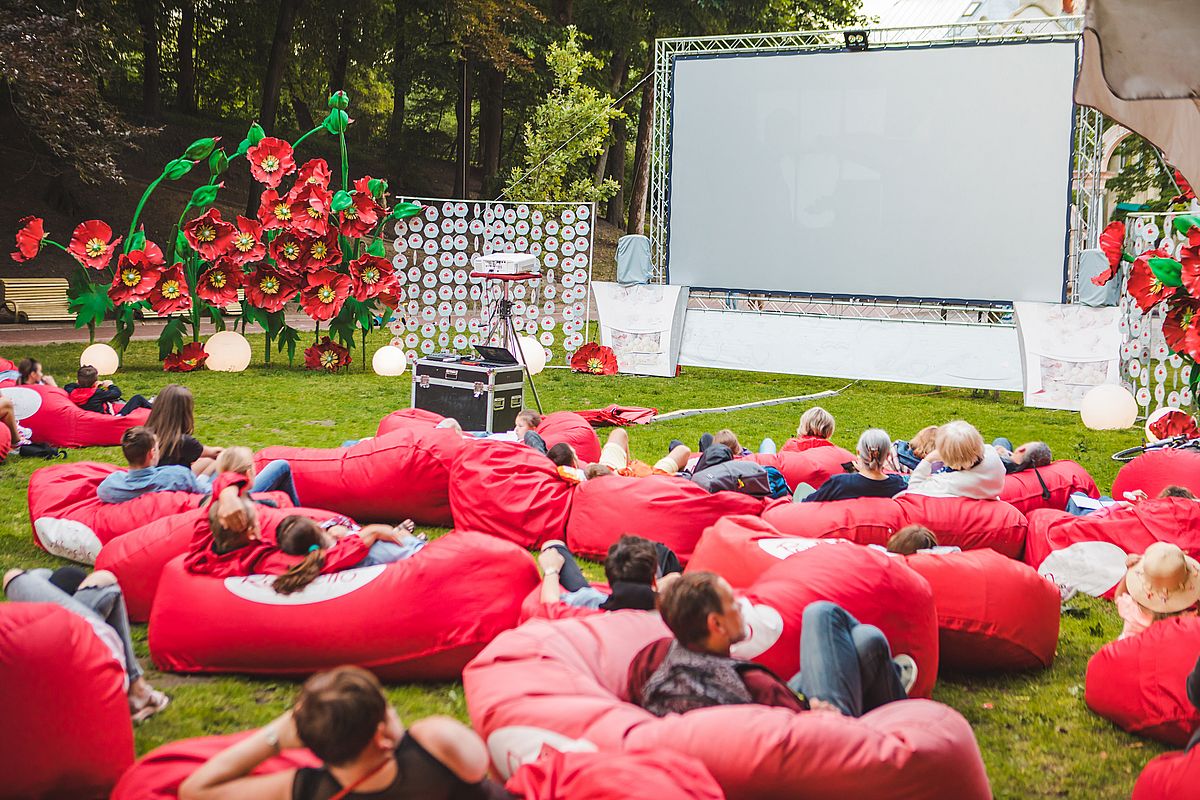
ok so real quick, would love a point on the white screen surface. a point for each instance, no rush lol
(929, 173)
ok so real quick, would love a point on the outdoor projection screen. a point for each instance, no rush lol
(938, 172)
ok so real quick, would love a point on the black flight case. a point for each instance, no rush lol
(483, 395)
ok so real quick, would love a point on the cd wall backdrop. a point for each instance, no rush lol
(442, 308)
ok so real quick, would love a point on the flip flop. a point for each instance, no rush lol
(154, 704)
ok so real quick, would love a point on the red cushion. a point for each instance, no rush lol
(741, 548)
(867, 520)
(418, 619)
(157, 775)
(1139, 683)
(1024, 491)
(966, 523)
(569, 427)
(508, 490)
(1154, 471)
(813, 466)
(662, 775)
(670, 510)
(1170, 776)
(413, 418)
(52, 418)
(404, 474)
(798, 444)
(66, 714)
(6, 442)
(70, 521)
(874, 588)
(532, 606)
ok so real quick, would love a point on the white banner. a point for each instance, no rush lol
(643, 324)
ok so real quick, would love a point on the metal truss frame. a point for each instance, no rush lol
(1086, 208)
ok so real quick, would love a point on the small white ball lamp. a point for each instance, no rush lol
(102, 357)
(1108, 407)
(389, 361)
(532, 353)
(228, 351)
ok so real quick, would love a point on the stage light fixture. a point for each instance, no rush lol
(856, 41)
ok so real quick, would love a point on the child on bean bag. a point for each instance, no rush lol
(98, 396)
(1163, 582)
(303, 536)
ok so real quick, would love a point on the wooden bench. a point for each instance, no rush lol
(230, 309)
(36, 299)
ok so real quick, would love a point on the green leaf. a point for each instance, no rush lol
(200, 149)
(339, 100)
(344, 324)
(289, 336)
(181, 246)
(1166, 270)
(341, 201)
(406, 210)
(213, 313)
(275, 323)
(89, 302)
(171, 338)
(336, 122)
(256, 134)
(1185, 222)
(378, 187)
(177, 168)
(243, 146)
(218, 162)
(255, 316)
(377, 248)
(205, 195)
(138, 240)
(125, 326)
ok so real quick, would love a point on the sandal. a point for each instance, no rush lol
(155, 703)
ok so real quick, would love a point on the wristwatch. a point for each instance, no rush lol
(550, 572)
(272, 737)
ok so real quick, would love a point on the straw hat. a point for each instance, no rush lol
(1166, 580)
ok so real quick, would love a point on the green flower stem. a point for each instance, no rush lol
(317, 332)
(137, 213)
(296, 143)
(345, 163)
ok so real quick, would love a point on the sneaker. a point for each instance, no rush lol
(706, 441)
(908, 671)
(674, 443)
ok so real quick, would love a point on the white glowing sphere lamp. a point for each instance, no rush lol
(102, 357)
(1108, 407)
(532, 353)
(389, 361)
(228, 351)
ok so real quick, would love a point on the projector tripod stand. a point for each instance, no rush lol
(502, 324)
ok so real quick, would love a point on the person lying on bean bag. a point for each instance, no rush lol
(96, 598)
(1163, 582)
(344, 718)
(100, 397)
(1030, 455)
(634, 570)
(303, 536)
(845, 666)
(615, 459)
(910, 454)
(874, 449)
(960, 466)
(815, 430)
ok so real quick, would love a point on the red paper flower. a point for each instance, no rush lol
(325, 293)
(372, 276)
(269, 289)
(315, 172)
(290, 250)
(1189, 257)
(359, 219)
(219, 283)
(247, 245)
(594, 359)
(1181, 326)
(191, 357)
(1145, 287)
(270, 160)
(135, 277)
(328, 355)
(170, 293)
(29, 238)
(209, 235)
(1185, 188)
(1175, 423)
(322, 251)
(1112, 241)
(274, 212)
(154, 255)
(90, 244)
(310, 209)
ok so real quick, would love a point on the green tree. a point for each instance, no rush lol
(567, 131)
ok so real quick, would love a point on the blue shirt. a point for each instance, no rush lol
(851, 485)
(120, 487)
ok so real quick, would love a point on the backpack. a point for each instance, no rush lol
(778, 484)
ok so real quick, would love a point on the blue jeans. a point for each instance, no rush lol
(276, 477)
(844, 662)
(387, 552)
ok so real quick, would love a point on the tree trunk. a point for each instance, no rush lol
(564, 12)
(280, 45)
(147, 14)
(491, 125)
(400, 84)
(185, 97)
(462, 136)
(616, 170)
(641, 157)
(337, 76)
(619, 72)
(302, 113)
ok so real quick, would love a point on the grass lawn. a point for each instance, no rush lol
(1036, 734)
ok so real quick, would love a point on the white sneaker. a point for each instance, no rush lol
(908, 671)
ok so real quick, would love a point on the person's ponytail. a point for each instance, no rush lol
(302, 574)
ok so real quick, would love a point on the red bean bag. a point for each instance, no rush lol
(6, 442)
(969, 524)
(52, 418)
(157, 775)
(741, 548)
(1170, 776)
(662, 775)
(813, 466)
(532, 606)
(138, 557)
(418, 619)
(1025, 492)
(509, 490)
(412, 418)
(563, 683)
(1154, 471)
(70, 521)
(1139, 683)
(569, 427)
(1088, 553)
(670, 510)
(867, 520)
(66, 713)
(799, 444)
(401, 475)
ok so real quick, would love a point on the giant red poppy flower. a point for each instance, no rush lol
(321, 251)
(270, 160)
(270, 289)
(209, 235)
(219, 283)
(328, 355)
(90, 244)
(191, 357)
(135, 277)
(315, 172)
(595, 359)
(310, 208)
(29, 238)
(1144, 285)
(1112, 240)
(1189, 257)
(360, 218)
(274, 211)
(1181, 324)
(325, 293)
(170, 293)
(247, 243)
(154, 255)
(1175, 423)
(290, 250)
(372, 276)
(1185, 188)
